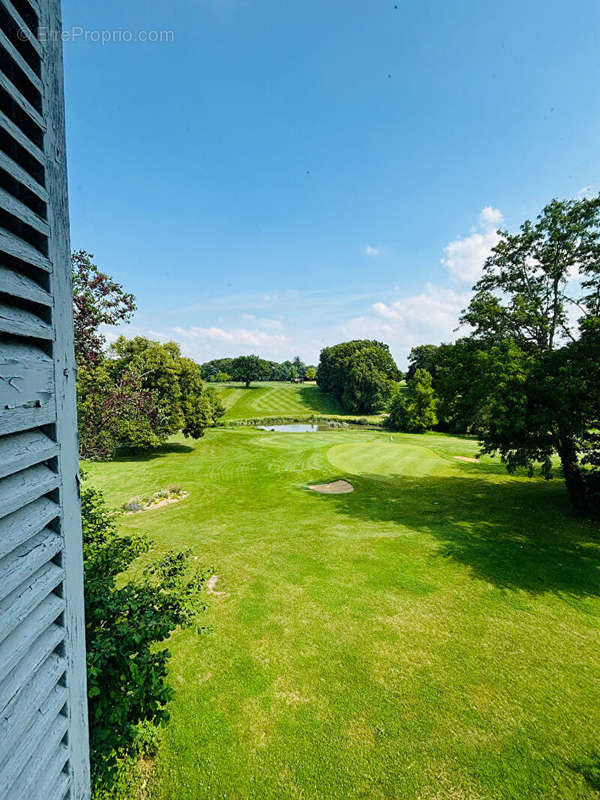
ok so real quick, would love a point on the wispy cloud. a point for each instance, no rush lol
(430, 316)
(464, 257)
(371, 251)
(262, 322)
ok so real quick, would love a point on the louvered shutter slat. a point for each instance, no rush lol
(52, 762)
(21, 101)
(18, 490)
(16, 285)
(24, 562)
(41, 736)
(23, 323)
(21, 249)
(23, 450)
(20, 174)
(43, 647)
(17, 606)
(17, 716)
(17, 644)
(20, 61)
(19, 527)
(34, 42)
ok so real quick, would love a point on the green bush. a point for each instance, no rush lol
(125, 624)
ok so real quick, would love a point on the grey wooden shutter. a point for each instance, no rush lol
(43, 709)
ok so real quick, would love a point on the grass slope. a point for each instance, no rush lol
(273, 399)
(433, 635)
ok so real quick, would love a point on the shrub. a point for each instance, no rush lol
(125, 624)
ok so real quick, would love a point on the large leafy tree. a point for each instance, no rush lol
(183, 402)
(359, 374)
(114, 413)
(535, 315)
(97, 300)
(249, 368)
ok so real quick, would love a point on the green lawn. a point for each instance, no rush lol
(271, 400)
(433, 635)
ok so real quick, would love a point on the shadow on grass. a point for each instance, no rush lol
(589, 769)
(513, 534)
(150, 455)
(319, 402)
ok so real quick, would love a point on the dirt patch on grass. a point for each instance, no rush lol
(466, 458)
(211, 587)
(336, 487)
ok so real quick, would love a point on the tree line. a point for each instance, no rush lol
(251, 368)
(526, 378)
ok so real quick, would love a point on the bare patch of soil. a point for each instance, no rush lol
(465, 458)
(336, 487)
(211, 587)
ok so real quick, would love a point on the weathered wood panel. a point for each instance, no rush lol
(43, 702)
(27, 387)
(18, 285)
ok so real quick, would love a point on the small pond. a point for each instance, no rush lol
(298, 428)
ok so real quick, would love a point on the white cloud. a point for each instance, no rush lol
(490, 217)
(244, 336)
(267, 324)
(431, 316)
(464, 257)
(203, 344)
(372, 251)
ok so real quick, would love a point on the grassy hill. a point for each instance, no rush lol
(278, 401)
(432, 636)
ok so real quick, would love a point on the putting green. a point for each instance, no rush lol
(387, 459)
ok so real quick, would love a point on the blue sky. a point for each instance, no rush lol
(274, 177)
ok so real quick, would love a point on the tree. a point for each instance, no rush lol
(201, 407)
(535, 314)
(114, 414)
(422, 357)
(359, 374)
(126, 622)
(300, 367)
(183, 403)
(283, 371)
(413, 410)
(97, 300)
(460, 386)
(311, 373)
(248, 369)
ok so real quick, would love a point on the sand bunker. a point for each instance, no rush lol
(465, 458)
(337, 487)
